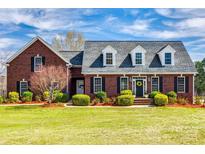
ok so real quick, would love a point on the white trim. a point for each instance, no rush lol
(193, 84)
(127, 82)
(34, 67)
(109, 49)
(167, 49)
(158, 82)
(30, 43)
(94, 83)
(184, 84)
(20, 85)
(138, 49)
(144, 83)
(143, 73)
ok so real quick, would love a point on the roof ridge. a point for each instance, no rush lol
(129, 41)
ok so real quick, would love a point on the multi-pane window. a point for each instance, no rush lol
(38, 63)
(23, 86)
(97, 84)
(168, 58)
(138, 58)
(180, 84)
(109, 58)
(123, 83)
(155, 83)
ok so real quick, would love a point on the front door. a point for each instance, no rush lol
(139, 88)
(79, 86)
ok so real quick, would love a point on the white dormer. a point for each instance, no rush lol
(109, 56)
(167, 56)
(138, 56)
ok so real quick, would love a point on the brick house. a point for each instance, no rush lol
(111, 66)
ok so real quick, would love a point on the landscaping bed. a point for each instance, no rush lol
(186, 105)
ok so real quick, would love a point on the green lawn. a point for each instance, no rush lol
(37, 125)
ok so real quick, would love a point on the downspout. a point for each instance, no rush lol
(67, 73)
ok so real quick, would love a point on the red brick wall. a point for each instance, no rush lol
(168, 84)
(20, 67)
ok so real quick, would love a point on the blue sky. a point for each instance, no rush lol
(18, 26)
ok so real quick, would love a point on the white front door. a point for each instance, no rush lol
(79, 86)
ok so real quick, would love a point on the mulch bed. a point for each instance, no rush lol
(103, 104)
(186, 105)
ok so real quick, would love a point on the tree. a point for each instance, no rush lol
(200, 77)
(74, 41)
(3, 58)
(51, 78)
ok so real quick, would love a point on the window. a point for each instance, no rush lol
(23, 86)
(37, 63)
(97, 84)
(168, 58)
(181, 84)
(155, 83)
(109, 58)
(123, 83)
(138, 58)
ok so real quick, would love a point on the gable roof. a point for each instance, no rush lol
(93, 59)
(30, 43)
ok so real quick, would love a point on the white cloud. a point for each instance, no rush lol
(7, 42)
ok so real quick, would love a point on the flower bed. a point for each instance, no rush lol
(186, 105)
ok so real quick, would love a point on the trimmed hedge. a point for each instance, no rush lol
(81, 100)
(125, 100)
(101, 95)
(153, 94)
(160, 100)
(126, 92)
(13, 97)
(172, 94)
(27, 96)
(1, 99)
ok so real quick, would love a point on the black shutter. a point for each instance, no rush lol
(29, 85)
(103, 83)
(32, 64)
(91, 85)
(18, 86)
(43, 60)
(161, 84)
(175, 84)
(118, 85)
(187, 84)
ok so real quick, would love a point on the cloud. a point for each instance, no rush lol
(7, 42)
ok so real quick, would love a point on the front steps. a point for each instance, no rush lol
(143, 101)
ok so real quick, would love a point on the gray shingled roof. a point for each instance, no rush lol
(93, 59)
(74, 57)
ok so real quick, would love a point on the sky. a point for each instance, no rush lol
(18, 26)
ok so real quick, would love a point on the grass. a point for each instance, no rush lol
(163, 125)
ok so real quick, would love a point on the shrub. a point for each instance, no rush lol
(27, 96)
(160, 100)
(95, 101)
(172, 100)
(101, 95)
(65, 98)
(46, 95)
(81, 100)
(13, 97)
(125, 100)
(1, 99)
(58, 97)
(198, 100)
(172, 94)
(153, 94)
(182, 101)
(38, 98)
(126, 92)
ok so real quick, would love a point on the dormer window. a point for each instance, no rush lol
(168, 58)
(138, 56)
(109, 59)
(166, 55)
(109, 56)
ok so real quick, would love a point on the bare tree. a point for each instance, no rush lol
(3, 58)
(74, 41)
(49, 79)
